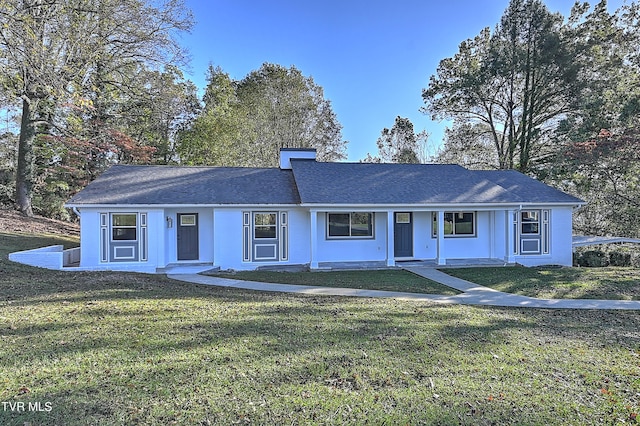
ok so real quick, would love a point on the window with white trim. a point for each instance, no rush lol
(124, 237)
(534, 232)
(530, 222)
(265, 225)
(456, 224)
(124, 226)
(350, 225)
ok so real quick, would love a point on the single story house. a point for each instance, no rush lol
(145, 218)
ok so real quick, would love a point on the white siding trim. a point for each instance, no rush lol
(104, 237)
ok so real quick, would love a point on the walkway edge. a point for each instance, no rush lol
(473, 294)
(306, 289)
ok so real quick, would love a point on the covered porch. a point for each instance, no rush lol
(382, 265)
(398, 236)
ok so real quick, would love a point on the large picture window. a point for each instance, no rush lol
(265, 225)
(124, 227)
(350, 225)
(456, 224)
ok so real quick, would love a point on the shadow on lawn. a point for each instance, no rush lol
(304, 341)
(612, 283)
(605, 289)
(272, 316)
(194, 394)
(280, 325)
(119, 343)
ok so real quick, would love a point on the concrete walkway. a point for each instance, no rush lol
(472, 294)
(583, 241)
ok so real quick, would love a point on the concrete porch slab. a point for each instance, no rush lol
(353, 266)
(284, 268)
(455, 263)
(186, 268)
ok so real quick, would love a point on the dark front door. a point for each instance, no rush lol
(403, 235)
(188, 236)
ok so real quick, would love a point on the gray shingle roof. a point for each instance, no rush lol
(189, 185)
(526, 188)
(312, 182)
(361, 183)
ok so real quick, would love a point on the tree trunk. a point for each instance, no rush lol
(24, 172)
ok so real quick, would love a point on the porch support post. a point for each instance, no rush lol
(391, 258)
(511, 236)
(492, 234)
(440, 240)
(313, 250)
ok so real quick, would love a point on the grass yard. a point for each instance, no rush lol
(122, 349)
(611, 283)
(389, 280)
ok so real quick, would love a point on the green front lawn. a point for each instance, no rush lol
(121, 349)
(558, 283)
(389, 280)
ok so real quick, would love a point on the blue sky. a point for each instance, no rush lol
(372, 58)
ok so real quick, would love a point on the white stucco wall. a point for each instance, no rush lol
(205, 235)
(424, 247)
(50, 257)
(478, 246)
(90, 241)
(560, 244)
(348, 250)
(489, 233)
(491, 238)
(299, 236)
(156, 246)
(228, 240)
(221, 239)
(89, 238)
(499, 227)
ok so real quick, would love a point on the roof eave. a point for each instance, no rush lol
(385, 206)
(172, 206)
(425, 206)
